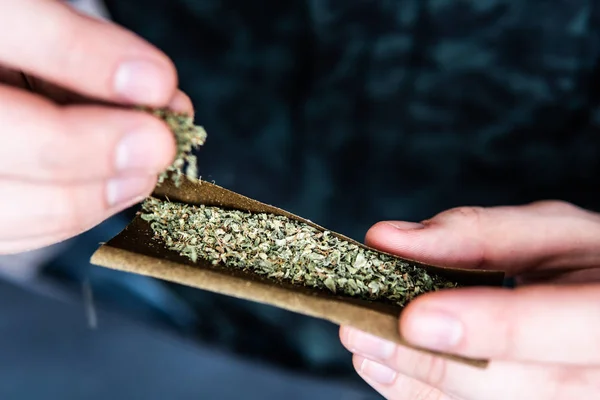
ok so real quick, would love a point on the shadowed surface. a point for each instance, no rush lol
(49, 352)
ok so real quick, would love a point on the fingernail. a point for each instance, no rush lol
(404, 225)
(123, 190)
(137, 151)
(433, 329)
(369, 345)
(377, 372)
(139, 81)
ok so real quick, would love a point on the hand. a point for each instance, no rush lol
(65, 167)
(543, 338)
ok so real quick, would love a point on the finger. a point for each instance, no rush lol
(58, 94)
(47, 235)
(53, 212)
(499, 381)
(553, 324)
(548, 235)
(394, 386)
(43, 142)
(92, 57)
(181, 102)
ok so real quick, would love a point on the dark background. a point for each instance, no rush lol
(347, 113)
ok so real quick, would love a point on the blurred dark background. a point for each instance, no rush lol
(347, 112)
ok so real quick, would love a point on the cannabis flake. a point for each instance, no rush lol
(188, 137)
(286, 250)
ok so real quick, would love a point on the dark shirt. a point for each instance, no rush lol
(352, 111)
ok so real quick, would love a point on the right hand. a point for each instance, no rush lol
(541, 338)
(66, 166)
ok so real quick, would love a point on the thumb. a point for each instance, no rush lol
(549, 235)
(541, 323)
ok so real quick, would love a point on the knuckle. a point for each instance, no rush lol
(63, 33)
(433, 371)
(74, 212)
(75, 42)
(507, 328)
(79, 211)
(554, 206)
(54, 159)
(71, 152)
(470, 222)
(429, 393)
(567, 382)
(469, 214)
(71, 59)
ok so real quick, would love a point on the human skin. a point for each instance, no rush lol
(542, 338)
(66, 167)
(68, 161)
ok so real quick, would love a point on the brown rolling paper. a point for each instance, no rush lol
(137, 250)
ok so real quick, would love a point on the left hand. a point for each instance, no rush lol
(543, 340)
(71, 155)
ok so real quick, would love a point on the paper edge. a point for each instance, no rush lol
(368, 320)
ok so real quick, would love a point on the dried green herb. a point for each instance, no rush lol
(188, 138)
(286, 250)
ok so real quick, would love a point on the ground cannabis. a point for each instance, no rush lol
(286, 250)
(188, 137)
(274, 246)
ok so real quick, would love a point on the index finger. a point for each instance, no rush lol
(96, 58)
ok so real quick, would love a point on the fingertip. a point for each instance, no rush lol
(181, 102)
(452, 300)
(146, 81)
(124, 191)
(357, 363)
(345, 333)
(106, 142)
(170, 82)
(404, 225)
(407, 315)
(443, 320)
(342, 333)
(159, 142)
(379, 233)
(431, 327)
(385, 228)
(397, 237)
